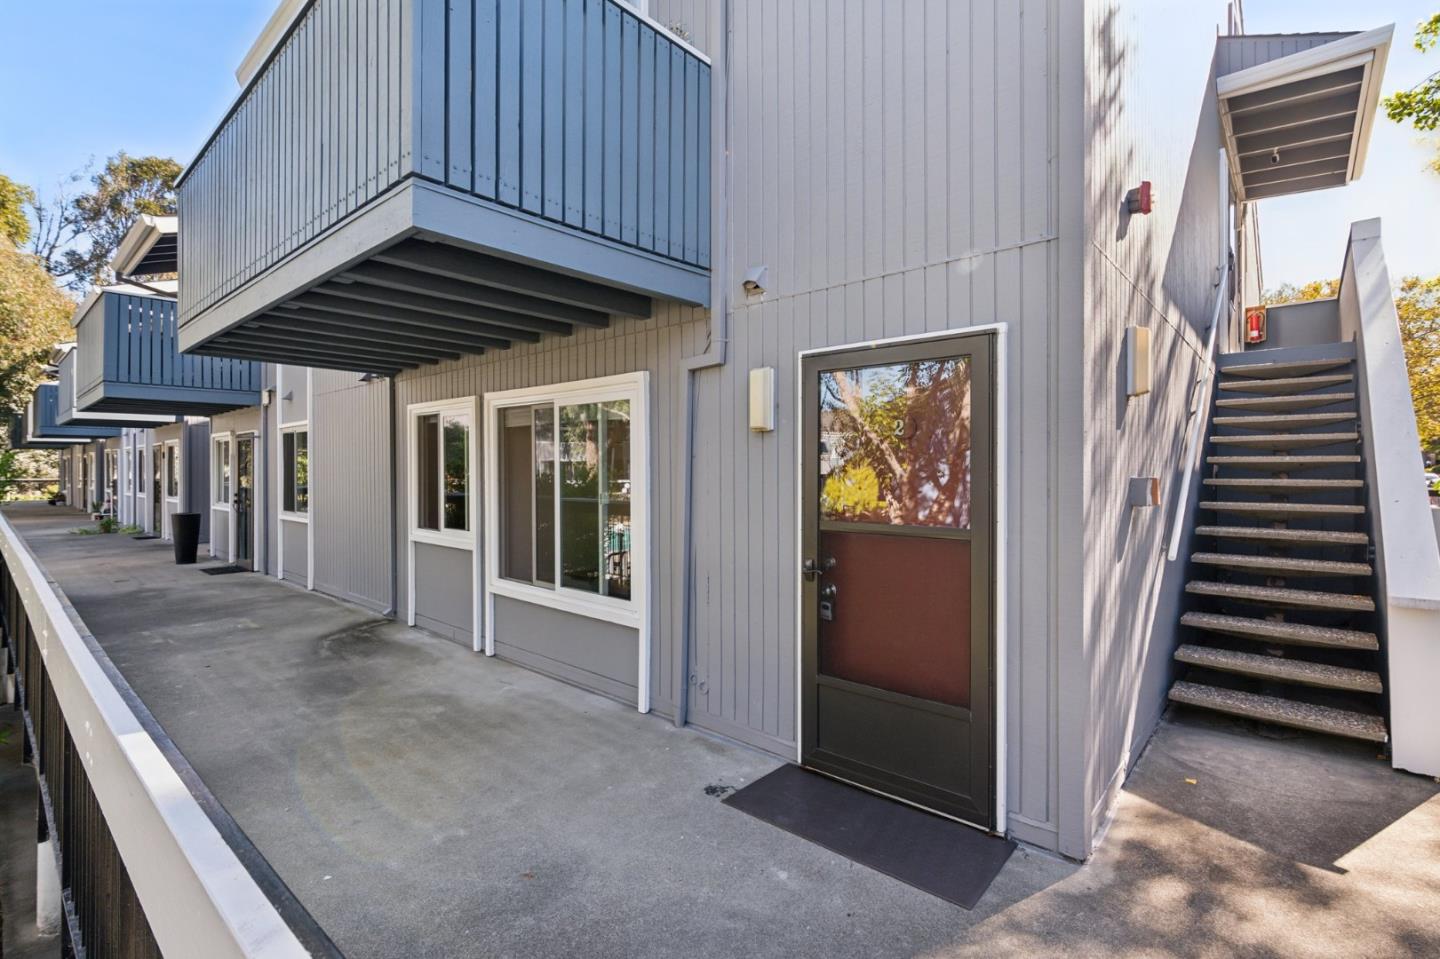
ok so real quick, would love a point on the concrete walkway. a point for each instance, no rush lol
(425, 801)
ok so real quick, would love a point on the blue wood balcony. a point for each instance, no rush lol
(42, 427)
(405, 181)
(127, 364)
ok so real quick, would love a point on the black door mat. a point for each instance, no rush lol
(222, 570)
(144, 536)
(943, 857)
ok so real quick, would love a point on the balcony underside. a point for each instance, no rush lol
(162, 402)
(130, 419)
(427, 274)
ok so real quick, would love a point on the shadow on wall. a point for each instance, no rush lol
(1168, 282)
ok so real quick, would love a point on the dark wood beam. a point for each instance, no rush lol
(221, 347)
(374, 331)
(374, 351)
(415, 302)
(350, 342)
(443, 260)
(334, 304)
(443, 289)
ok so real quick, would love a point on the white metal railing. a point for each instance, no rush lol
(198, 898)
(1199, 409)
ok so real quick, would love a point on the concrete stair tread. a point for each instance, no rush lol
(1281, 509)
(1285, 441)
(1283, 368)
(1284, 464)
(1279, 631)
(1282, 565)
(1284, 485)
(1282, 385)
(1281, 668)
(1282, 404)
(1282, 712)
(1285, 537)
(1282, 596)
(1282, 420)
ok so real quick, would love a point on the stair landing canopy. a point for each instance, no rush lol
(406, 181)
(1297, 109)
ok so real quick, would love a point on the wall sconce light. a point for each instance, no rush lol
(1144, 492)
(755, 280)
(1141, 199)
(762, 399)
(1137, 360)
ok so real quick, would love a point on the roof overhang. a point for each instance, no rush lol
(151, 246)
(1303, 122)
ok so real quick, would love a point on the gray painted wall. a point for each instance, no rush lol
(597, 655)
(197, 472)
(1240, 52)
(443, 594)
(1301, 324)
(1158, 271)
(350, 452)
(295, 559)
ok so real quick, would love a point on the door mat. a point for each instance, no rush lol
(144, 536)
(940, 856)
(222, 570)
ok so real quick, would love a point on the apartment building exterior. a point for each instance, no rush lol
(578, 319)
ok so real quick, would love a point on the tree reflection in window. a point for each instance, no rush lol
(895, 444)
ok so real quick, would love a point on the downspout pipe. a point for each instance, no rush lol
(716, 351)
(394, 610)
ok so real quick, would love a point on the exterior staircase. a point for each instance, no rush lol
(1280, 625)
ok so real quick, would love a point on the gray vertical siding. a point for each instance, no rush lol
(1241, 52)
(350, 508)
(196, 463)
(318, 133)
(576, 111)
(1157, 271)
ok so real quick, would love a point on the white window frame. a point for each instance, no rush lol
(297, 516)
(633, 612)
(459, 539)
(172, 455)
(217, 500)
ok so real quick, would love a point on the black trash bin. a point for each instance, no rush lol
(185, 528)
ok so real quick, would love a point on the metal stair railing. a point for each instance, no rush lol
(1199, 411)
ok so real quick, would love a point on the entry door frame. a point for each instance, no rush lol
(998, 529)
(235, 439)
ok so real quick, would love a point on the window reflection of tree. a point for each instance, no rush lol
(896, 443)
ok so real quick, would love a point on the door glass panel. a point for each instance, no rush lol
(895, 444)
(894, 477)
(544, 472)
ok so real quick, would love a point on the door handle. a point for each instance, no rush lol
(810, 569)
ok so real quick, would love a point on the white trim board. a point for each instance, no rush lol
(999, 525)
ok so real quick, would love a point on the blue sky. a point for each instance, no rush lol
(85, 78)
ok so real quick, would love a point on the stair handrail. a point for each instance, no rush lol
(1200, 405)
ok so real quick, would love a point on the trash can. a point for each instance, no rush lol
(185, 528)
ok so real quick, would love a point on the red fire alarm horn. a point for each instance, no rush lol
(1141, 199)
(1254, 325)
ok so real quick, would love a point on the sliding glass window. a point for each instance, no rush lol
(564, 496)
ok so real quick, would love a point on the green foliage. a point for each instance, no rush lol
(34, 316)
(14, 198)
(76, 237)
(1290, 293)
(1418, 303)
(1421, 103)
